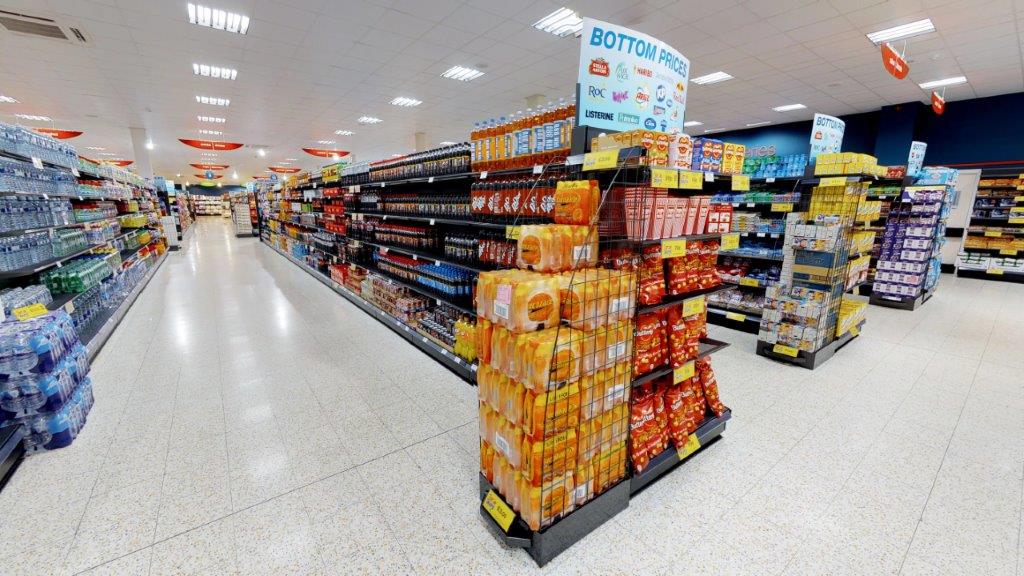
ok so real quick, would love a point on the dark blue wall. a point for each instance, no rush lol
(988, 131)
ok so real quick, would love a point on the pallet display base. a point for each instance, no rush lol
(985, 275)
(809, 360)
(95, 334)
(744, 322)
(708, 432)
(891, 302)
(447, 359)
(545, 544)
(12, 452)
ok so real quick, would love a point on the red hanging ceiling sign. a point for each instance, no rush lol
(210, 166)
(214, 177)
(59, 134)
(283, 169)
(210, 144)
(938, 103)
(894, 62)
(325, 153)
(121, 163)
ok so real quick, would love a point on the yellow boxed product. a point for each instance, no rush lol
(520, 300)
(556, 247)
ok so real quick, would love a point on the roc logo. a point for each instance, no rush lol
(599, 67)
(650, 124)
(645, 72)
(622, 72)
(596, 92)
(619, 97)
(629, 119)
(643, 97)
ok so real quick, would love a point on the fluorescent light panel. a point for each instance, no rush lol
(690, 123)
(902, 31)
(213, 119)
(34, 117)
(752, 124)
(211, 132)
(789, 107)
(369, 120)
(406, 102)
(344, 132)
(95, 148)
(217, 19)
(952, 81)
(713, 78)
(447, 143)
(214, 71)
(292, 159)
(561, 22)
(207, 153)
(462, 73)
(107, 154)
(213, 101)
(7, 99)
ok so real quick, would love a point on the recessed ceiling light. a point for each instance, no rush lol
(217, 19)
(7, 99)
(285, 163)
(95, 148)
(178, 175)
(214, 119)
(712, 78)
(561, 22)
(462, 73)
(326, 142)
(149, 145)
(396, 155)
(344, 132)
(690, 123)
(34, 117)
(710, 130)
(447, 143)
(211, 132)
(208, 154)
(789, 107)
(369, 120)
(214, 71)
(234, 175)
(213, 101)
(262, 152)
(292, 159)
(407, 102)
(107, 154)
(752, 124)
(903, 31)
(952, 81)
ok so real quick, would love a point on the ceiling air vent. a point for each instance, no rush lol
(40, 26)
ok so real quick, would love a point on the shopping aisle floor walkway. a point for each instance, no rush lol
(250, 421)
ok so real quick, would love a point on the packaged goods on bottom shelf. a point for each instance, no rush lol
(44, 386)
(738, 300)
(13, 298)
(450, 327)
(968, 261)
(664, 414)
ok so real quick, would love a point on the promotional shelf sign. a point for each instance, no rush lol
(916, 159)
(629, 80)
(826, 135)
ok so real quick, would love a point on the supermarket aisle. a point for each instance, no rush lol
(248, 420)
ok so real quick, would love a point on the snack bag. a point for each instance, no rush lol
(675, 406)
(710, 386)
(659, 426)
(650, 344)
(641, 413)
(609, 466)
(652, 276)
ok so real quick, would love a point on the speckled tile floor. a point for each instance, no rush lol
(250, 421)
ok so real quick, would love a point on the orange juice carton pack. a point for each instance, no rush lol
(597, 296)
(519, 300)
(556, 247)
(547, 413)
(542, 505)
(577, 202)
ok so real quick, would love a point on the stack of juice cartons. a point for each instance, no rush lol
(554, 342)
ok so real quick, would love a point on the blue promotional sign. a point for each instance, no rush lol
(916, 159)
(826, 135)
(629, 80)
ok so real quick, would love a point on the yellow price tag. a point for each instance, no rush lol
(993, 233)
(693, 306)
(1018, 198)
(664, 178)
(1007, 252)
(29, 312)
(692, 445)
(1020, 176)
(740, 183)
(833, 181)
(330, 173)
(1019, 187)
(749, 282)
(736, 316)
(782, 207)
(683, 373)
(994, 271)
(512, 232)
(673, 248)
(498, 510)
(1016, 221)
(601, 160)
(785, 350)
(730, 242)
(689, 180)
(854, 330)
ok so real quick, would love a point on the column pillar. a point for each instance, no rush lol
(420, 141)
(142, 165)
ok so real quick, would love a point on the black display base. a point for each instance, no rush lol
(545, 544)
(983, 275)
(947, 268)
(809, 360)
(708, 432)
(891, 302)
(751, 323)
(244, 235)
(12, 452)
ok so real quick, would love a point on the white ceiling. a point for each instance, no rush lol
(309, 67)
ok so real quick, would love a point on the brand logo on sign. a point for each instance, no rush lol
(658, 110)
(600, 115)
(660, 93)
(643, 97)
(679, 94)
(599, 67)
(619, 97)
(629, 119)
(664, 125)
(645, 72)
(650, 124)
(596, 92)
(622, 72)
